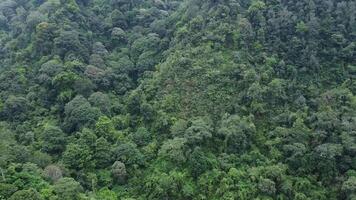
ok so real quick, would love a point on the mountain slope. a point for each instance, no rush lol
(217, 99)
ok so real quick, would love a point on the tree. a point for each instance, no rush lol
(295, 156)
(77, 156)
(118, 19)
(35, 18)
(178, 99)
(174, 150)
(43, 43)
(246, 33)
(175, 184)
(102, 155)
(53, 172)
(146, 61)
(68, 189)
(49, 7)
(118, 35)
(64, 81)
(276, 91)
(105, 178)
(49, 70)
(83, 86)
(237, 133)
(6, 190)
(41, 159)
(128, 154)
(325, 157)
(267, 186)
(106, 194)
(134, 103)
(30, 194)
(79, 113)
(84, 2)
(141, 137)
(100, 49)
(3, 21)
(53, 140)
(68, 42)
(200, 132)
(16, 108)
(97, 76)
(145, 46)
(18, 153)
(119, 173)
(97, 61)
(101, 101)
(179, 127)
(105, 127)
(349, 188)
(199, 162)
(121, 82)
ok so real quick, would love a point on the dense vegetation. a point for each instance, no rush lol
(164, 99)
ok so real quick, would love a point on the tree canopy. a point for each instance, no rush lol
(178, 99)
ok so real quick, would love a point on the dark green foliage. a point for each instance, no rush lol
(68, 44)
(200, 132)
(6, 190)
(26, 195)
(102, 101)
(199, 162)
(53, 140)
(128, 154)
(102, 155)
(67, 189)
(174, 150)
(79, 113)
(15, 108)
(178, 99)
(119, 173)
(141, 137)
(53, 172)
(78, 156)
(43, 43)
(349, 187)
(237, 134)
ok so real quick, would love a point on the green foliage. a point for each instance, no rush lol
(119, 173)
(301, 27)
(106, 194)
(79, 113)
(174, 150)
(53, 172)
(104, 127)
(78, 156)
(26, 195)
(102, 101)
(53, 139)
(6, 190)
(15, 108)
(128, 154)
(180, 99)
(349, 187)
(68, 189)
(237, 134)
(200, 162)
(175, 185)
(43, 43)
(102, 154)
(199, 132)
(141, 137)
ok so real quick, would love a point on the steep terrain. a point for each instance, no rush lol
(193, 99)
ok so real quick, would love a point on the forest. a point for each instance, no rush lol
(177, 100)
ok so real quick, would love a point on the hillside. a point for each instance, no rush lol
(191, 99)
